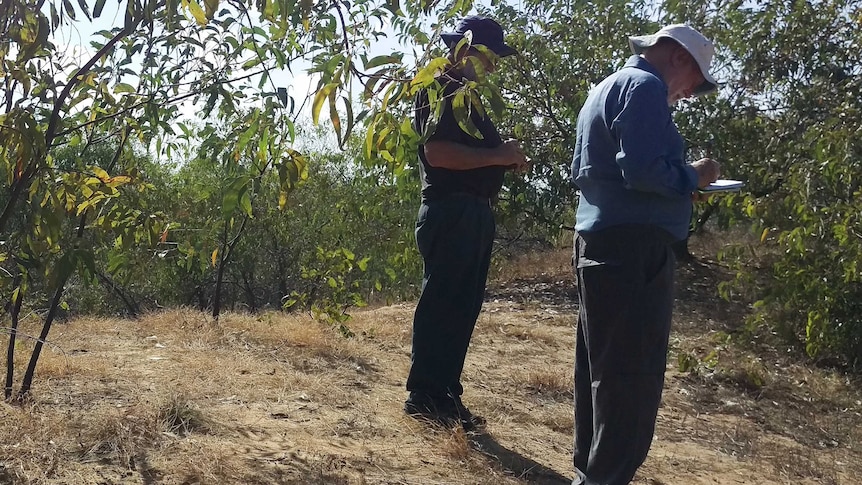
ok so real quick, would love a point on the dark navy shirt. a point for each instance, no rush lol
(482, 182)
(628, 161)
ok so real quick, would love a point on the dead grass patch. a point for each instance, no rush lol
(455, 445)
(560, 419)
(526, 332)
(532, 264)
(741, 442)
(181, 417)
(550, 384)
(797, 463)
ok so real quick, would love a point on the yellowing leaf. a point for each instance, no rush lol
(119, 179)
(197, 12)
(101, 174)
(765, 233)
(319, 98)
(214, 256)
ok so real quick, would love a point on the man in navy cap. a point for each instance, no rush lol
(461, 174)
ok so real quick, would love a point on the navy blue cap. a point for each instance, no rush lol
(485, 31)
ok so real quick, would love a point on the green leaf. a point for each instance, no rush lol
(333, 116)
(363, 263)
(245, 203)
(461, 109)
(69, 9)
(382, 60)
(97, 9)
(85, 8)
(123, 88)
(232, 196)
(210, 8)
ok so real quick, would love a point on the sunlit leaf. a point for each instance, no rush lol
(319, 99)
(196, 11)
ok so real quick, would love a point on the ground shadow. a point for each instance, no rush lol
(514, 463)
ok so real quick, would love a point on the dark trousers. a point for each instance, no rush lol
(625, 285)
(454, 234)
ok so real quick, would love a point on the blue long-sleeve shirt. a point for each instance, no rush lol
(628, 161)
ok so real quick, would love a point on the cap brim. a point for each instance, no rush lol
(502, 50)
(706, 88)
(709, 83)
(451, 37)
(639, 43)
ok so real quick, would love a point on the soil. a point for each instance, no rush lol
(175, 397)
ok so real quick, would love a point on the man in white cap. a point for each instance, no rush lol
(635, 201)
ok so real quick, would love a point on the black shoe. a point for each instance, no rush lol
(446, 411)
(430, 411)
(469, 421)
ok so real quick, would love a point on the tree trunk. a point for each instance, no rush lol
(227, 249)
(131, 305)
(34, 357)
(18, 297)
(249, 291)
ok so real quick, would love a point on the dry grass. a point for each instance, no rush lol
(550, 384)
(175, 397)
(541, 265)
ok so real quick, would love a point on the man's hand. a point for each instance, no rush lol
(708, 171)
(520, 163)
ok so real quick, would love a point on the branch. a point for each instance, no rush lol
(75, 79)
(151, 99)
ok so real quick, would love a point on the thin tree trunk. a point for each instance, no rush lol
(131, 305)
(219, 275)
(27, 382)
(13, 332)
(225, 256)
(249, 291)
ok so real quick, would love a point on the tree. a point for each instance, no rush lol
(218, 55)
(792, 108)
(786, 121)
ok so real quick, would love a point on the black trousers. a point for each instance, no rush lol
(455, 234)
(625, 285)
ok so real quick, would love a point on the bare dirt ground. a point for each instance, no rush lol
(280, 399)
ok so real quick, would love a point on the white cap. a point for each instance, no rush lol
(700, 48)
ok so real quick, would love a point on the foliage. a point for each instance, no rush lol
(127, 91)
(787, 122)
(344, 236)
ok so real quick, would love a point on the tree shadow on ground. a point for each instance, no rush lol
(514, 463)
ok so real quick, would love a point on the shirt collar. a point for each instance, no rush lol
(639, 62)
